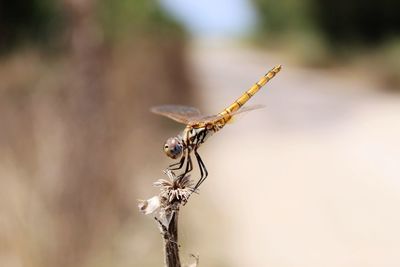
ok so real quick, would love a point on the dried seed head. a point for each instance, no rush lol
(176, 189)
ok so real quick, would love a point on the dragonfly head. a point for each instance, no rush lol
(173, 147)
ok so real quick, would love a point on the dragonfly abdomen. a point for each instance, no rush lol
(235, 106)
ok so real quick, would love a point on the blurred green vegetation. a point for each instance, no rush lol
(358, 21)
(33, 21)
(279, 18)
(131, 18)
(322, 32)
(340, 22)
(43, 22)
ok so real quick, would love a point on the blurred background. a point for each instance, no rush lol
(311, 180)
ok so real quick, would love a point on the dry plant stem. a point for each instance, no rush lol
(171, 247)
(174, 192)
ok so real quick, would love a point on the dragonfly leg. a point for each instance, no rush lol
(180, 163)
(203, 170)
(189, 165)
(202, 167)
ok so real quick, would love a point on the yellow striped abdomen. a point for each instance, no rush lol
(235, 106)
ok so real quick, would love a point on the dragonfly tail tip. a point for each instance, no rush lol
(275, 69)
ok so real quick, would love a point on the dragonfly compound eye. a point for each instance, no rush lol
(173, 148)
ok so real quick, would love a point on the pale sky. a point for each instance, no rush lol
(213, 18)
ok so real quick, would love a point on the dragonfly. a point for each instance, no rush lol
(200, 127)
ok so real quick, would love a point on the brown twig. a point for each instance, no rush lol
(171, 247)
(174, 193)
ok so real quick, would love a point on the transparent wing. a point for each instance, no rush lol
(247, 109)
(243, 110)
(214, 118)
(182, 114)
(190, 115)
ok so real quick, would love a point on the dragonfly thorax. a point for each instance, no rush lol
(173, 147)
(193, 137)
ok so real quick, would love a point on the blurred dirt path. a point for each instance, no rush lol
(313, 179)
